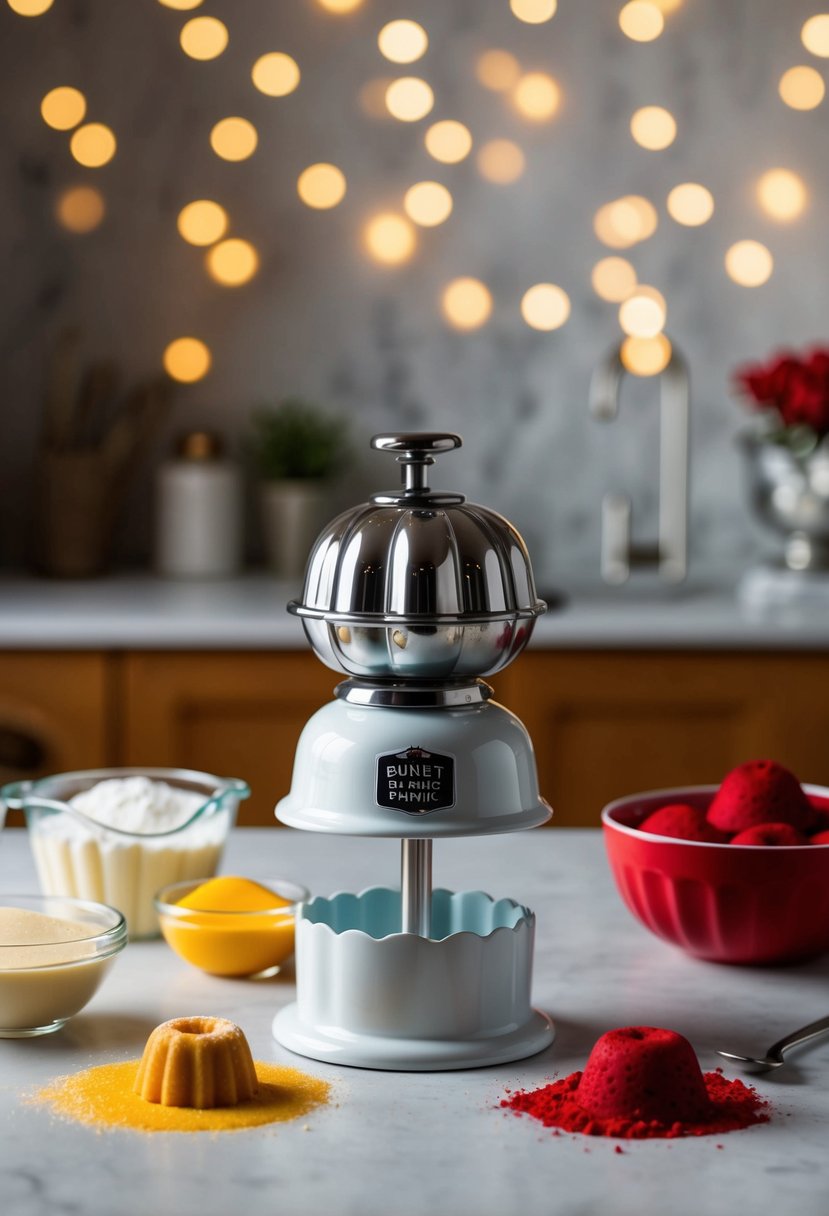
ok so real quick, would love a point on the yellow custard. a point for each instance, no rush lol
(230, 926)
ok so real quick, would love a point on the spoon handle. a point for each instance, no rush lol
(812, 1031)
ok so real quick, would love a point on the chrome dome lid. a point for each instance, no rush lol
(418, 556)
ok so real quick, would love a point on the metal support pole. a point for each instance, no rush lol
(416, 886)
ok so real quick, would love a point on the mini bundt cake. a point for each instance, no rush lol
(199, 1062)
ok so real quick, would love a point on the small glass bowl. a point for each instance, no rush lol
(237, 944)
(38, 996)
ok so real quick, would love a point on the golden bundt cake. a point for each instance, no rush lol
(199, 1062)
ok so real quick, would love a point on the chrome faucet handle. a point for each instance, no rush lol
(619, 553)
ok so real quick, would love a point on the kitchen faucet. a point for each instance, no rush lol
(669, 553)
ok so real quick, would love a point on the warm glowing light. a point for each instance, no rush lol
(428, 204)
(340, 6)
(232, 262)
(30, 8)
(625, 221)
(815, 35)
(390, 239)
(234, 139)
(802, 88)
(321, 186)
(181, 5)
(545, 306)
(641, 21)
(500, 161)
(643, 313)
(667, 6)
(63, 108)
(534, 11)
(409, 99)
(275, 74)
(613, 279)
(402, 41)
(448, 141)
(202, 222)
(749, 263)
(80, 209)
(646, 356)
(653, 128)
(187, 360)
(93, 145)
(782, 194)
(536, 96)
(497, 70)
(466, 303)
(690, 204)
(203, 37)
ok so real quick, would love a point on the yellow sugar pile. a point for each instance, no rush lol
(104, 1097)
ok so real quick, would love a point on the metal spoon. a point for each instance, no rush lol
(774, 1056)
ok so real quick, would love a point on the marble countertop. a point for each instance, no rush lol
(248, 613)
(413, 1143)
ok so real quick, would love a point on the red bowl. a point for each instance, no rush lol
(723, 902)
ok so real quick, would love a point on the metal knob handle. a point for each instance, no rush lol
(416, 452)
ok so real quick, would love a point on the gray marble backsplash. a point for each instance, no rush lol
(321, 320)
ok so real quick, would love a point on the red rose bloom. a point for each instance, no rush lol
(796, 387)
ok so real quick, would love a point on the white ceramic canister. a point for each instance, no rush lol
(198, 520)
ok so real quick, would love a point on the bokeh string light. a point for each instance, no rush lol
(204, 38)
(653, 127)
(815, 35)
(643, 313)
(782, 194)
(389, 239)
(448, 141)
(497, 70)
(30, 8)
(409, 99)
(690, 204)
(466, 303)
(500, 161)
(613, 279)
(232, 262)
(646, 356)
(428, 204)
(80, 209)
(545, 306)
(536, 96)
(321, 186)
(802, 88)
(202, 222)
(93, 145)
(534, 12)
(275, 74)
(749, 263)
(403, 41)
(187, 360)
(641, 21)
(63, 108)
(234, 138)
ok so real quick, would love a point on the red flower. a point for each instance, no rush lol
(796, 387)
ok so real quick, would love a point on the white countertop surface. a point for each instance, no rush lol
(408, 1144)
(134, 611)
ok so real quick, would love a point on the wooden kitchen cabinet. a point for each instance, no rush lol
(57, 712)
(605, 724)
(236, 714)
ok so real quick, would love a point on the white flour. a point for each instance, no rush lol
(89, 861)
(137, 804)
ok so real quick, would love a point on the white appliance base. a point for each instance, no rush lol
(334, 1045)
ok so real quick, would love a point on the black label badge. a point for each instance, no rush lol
(415, 781)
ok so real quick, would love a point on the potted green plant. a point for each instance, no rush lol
(299, 448)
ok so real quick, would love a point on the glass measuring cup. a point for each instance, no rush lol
(85, 857)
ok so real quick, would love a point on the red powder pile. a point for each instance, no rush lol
(643, 1083)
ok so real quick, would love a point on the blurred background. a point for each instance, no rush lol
(239, 238)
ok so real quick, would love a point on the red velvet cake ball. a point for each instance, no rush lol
(646, 1073)
(773, 834)
(683, 822)
(760, 791)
